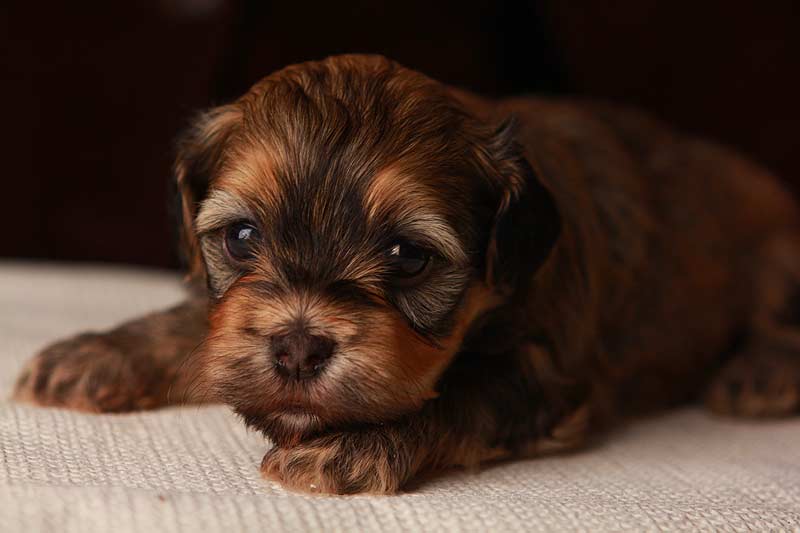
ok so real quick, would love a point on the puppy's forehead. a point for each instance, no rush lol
(259, 174)
(342, 123)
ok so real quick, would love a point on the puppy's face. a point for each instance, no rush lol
(341, 213)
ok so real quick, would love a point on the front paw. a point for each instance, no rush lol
(373, 460)
(88, 373)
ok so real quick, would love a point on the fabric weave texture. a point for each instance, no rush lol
(195, 469)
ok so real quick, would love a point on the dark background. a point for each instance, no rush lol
(94, 93)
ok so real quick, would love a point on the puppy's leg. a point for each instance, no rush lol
(490, 407)
(763, 379)
(141, 364)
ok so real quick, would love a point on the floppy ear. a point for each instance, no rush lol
(200, 149)
(527, 223)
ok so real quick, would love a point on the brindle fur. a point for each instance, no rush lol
(594, 265)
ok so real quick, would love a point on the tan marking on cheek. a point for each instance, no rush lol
(427, 362)
(235, 369)
(241, 311)
(391, 367)
(422, 361)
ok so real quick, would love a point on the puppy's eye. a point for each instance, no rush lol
(240, 239)
(407, 260)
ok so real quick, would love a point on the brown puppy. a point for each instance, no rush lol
(401, 279)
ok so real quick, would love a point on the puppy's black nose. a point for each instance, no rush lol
(300, 355)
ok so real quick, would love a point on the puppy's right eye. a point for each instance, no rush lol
(408, 261)
(240, 240)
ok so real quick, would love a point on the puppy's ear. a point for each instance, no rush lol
(527, 223)
(199, 151)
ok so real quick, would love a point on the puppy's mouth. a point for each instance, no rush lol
(285, 423)
(296, 413)
(294, 408)
(306, 398)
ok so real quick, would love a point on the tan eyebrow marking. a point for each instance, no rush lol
(243, 188)
(415, 207)
(219, 209)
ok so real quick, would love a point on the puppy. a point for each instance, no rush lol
(391, 277)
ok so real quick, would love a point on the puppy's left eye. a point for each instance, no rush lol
(240, 239)
(408, 261)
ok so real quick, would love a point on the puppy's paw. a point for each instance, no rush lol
(371, 461)
(757, 385)
(87, 373)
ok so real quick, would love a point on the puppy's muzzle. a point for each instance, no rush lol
(299, 355)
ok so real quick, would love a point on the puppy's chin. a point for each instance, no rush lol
(283, 427)
(280, 417)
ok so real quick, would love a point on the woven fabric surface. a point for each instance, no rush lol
(196, 468)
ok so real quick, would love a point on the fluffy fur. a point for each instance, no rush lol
(587, 264)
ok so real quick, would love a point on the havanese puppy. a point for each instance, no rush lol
(391, 277)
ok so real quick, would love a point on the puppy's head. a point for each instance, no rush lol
(352, 223)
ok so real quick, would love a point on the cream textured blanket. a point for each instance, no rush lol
(196, 469)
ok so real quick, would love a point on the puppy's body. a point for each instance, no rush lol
(584, 264)
(646, 285)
